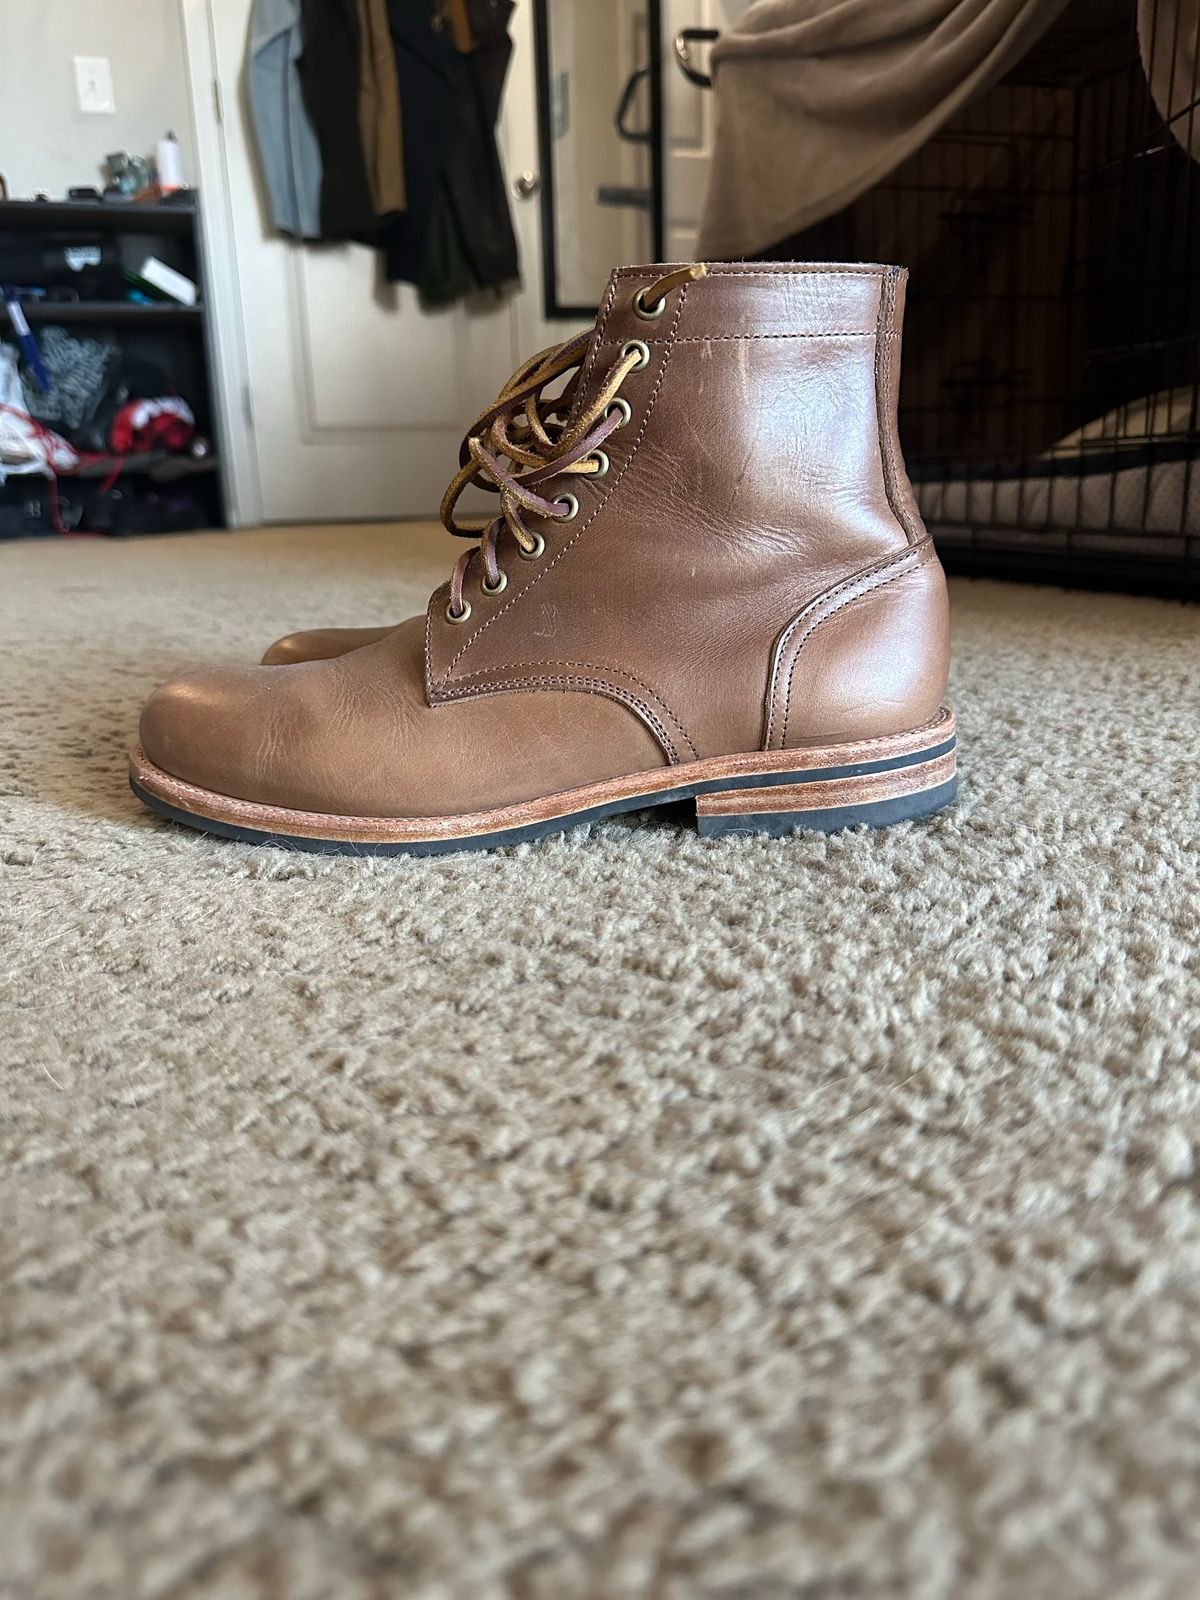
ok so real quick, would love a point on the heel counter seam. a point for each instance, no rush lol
(887, 342)
(868, 580)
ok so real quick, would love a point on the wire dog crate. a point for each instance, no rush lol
(1050, 394)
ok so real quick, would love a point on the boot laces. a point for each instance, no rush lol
(525, 439)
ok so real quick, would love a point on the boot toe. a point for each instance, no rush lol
(319, 644)
(257, 734)
(189, 728)
(285, 652)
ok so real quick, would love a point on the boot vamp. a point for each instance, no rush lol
(355, 736)
(320, 644)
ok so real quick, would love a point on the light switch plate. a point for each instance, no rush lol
(94, 85)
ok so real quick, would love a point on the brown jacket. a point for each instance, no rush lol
(379, 109)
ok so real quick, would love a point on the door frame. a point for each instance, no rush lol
(225, 333)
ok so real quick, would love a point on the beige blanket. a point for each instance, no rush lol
(819, 99)
(1169, 39)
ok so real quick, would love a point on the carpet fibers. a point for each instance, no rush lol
(622, 1215)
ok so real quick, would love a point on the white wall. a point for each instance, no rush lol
(46, 142)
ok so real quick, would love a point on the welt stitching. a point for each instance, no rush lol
(600, 504)
(872, 588)
(591, 685)
(588, 666)
(806, 610)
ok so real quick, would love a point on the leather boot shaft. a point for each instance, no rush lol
(751, 570)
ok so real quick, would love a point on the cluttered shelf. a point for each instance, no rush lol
(106, 412)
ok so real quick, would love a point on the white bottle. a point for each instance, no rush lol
(170, 164)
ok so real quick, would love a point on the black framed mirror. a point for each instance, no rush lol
(600, 143)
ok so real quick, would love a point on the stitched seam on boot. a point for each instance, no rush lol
(824, 333)
(869, 587)
(601, 321)
(863, 575)
(714, 338)
(587, 666)
(809, 608)
(887, 337)
(597, 686)
(789, 269)
(553, 562)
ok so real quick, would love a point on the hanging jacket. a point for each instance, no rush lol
(379, 108)
(458, 213)
(474, 177)
(427, 69)
(288, 153)
(330, 68)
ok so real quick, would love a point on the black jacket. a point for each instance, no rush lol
(449, 103)
(329, 80)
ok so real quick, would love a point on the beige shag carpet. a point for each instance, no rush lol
(616, 1216)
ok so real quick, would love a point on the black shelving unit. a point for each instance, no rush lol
(92, 216)
(113, 312)
(150, 492)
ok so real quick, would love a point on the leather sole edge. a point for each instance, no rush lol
(825, 789)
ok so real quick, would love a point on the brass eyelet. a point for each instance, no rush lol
(600, 457)
(622, 405)
(459, 616)
(572, 506)
(499, 587)
(539, 544)
(638, 348)
(648, 312)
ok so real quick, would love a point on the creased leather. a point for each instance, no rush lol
(356, 737)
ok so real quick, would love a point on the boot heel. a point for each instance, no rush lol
(827, 804)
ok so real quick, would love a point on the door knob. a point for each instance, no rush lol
(526, 183)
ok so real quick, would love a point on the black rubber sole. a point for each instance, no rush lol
(830, 819)
(877, 813)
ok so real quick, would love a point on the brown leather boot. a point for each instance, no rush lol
(708, 579)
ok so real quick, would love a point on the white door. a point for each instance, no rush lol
(344, 397)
